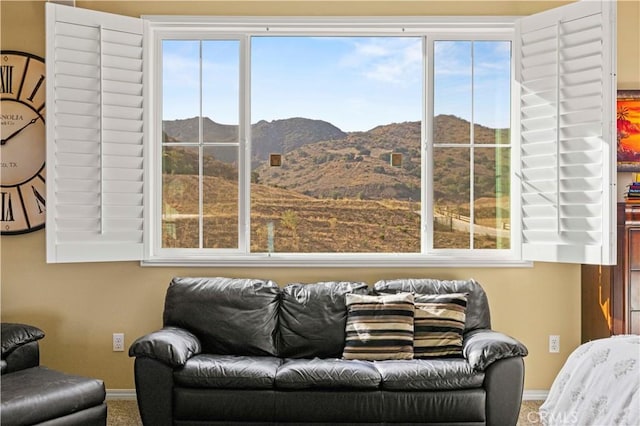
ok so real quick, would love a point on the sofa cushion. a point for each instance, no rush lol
(229, 316)
(327, 373)
(228, 371)
(438, 325)
(313, 318)
(379, 327)
(477, 314)
(428, 374)
(38, 394)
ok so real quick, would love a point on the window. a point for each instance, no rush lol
(344, 116)
(360, 141)
(472, 155)
(200, 144)
(336, 109)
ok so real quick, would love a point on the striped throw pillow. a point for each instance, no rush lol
(438, 325)
(379, 327)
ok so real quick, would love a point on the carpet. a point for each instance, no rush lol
(121, 412)
(125, 413)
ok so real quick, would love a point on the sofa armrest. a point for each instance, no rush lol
(23, 357)
(481, 348)
(19, 346)
(504, 383)
(154, 391)
(170, 345)
(15, 335)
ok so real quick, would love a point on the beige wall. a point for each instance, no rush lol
(80, 305)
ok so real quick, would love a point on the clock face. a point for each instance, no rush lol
(23, 149)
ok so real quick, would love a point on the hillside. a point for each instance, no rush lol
(186, 130)
(321, 161)
(283, 136)
(354, 167)
(358, 165)
(452, 129)
(335, 192)
(280, 136)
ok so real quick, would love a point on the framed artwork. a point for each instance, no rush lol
(628, 123)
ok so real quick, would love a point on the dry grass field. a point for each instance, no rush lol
(299, 223)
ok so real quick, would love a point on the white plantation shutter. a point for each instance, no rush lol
(94, 136)
(568, 142)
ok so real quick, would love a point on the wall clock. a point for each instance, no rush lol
(22, 149)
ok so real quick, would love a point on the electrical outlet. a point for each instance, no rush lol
(118, 342)
(554, 344)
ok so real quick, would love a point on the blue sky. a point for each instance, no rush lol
(355, 83)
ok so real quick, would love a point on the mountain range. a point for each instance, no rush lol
(322, 161)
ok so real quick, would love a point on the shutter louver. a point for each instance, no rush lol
(566, 129)
(95, 136)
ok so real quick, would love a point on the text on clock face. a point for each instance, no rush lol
(10, 119)
(8, 164)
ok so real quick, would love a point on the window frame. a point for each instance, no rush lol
(430, 30)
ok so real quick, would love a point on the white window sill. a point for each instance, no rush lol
(436, 260)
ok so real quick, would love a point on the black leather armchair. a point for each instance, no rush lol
(32, 394)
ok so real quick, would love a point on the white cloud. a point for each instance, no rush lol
(396, 60)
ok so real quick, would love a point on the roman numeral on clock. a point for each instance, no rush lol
(7, 207)
(6, 78)
(40, 203)
(35, 89)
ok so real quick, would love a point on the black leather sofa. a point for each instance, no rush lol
(32, 394)
(245, 351)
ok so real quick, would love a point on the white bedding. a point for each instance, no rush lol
(599, 385)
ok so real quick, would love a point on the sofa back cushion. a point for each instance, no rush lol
(230, 316)
(313, 318)
(477, 313)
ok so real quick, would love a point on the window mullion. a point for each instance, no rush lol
(472, 151)
(427, 150)
(244, 135)
(200, 160)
